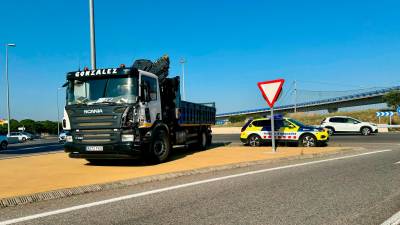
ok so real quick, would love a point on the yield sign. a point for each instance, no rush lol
(271, 90)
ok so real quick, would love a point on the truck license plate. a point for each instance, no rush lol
(94, 148)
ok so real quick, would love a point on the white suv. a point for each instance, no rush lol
(3, 142)
(345, 124)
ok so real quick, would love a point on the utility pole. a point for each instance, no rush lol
(58, 114)
(295, 96)
(183, 61)
(8, 90)
(92, 36)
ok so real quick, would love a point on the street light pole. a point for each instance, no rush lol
(183, 61)
(8, 90)
(295, 96)
(58, 114)
(92, 35)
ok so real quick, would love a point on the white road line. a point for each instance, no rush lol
(394, 220)
(103, 202)
(397, 162)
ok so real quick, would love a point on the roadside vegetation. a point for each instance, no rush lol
(35, 127)
(316, 118)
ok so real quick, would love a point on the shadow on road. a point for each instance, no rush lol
(177, 153)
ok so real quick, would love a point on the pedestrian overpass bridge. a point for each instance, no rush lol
(344, 99)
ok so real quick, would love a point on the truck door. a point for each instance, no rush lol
(152, 107)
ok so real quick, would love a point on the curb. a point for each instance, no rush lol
(62, 193)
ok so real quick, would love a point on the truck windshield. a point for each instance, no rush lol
(102, 91)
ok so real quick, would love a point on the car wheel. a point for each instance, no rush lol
(3, 145)
(254, 140)
(23, 139)
(330, 130)
(308, 140)
(366, 131)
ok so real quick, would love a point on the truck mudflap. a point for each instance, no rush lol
(111, 151)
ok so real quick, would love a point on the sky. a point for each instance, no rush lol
(229, 46)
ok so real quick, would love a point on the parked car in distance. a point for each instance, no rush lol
(30, 136)
(345, 124)
(20, 135)
(3, 142)
(62, 137)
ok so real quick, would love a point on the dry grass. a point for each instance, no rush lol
(315, 118)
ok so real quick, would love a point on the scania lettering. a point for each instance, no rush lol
(130, 112)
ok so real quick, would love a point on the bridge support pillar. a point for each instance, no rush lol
(333, 110)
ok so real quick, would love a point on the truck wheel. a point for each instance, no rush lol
(3, 145)
(308, 140)
(160, 148)
(209, 140)
(203, 142)
(96, 161)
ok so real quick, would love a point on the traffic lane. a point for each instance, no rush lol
(33, 143)
(335, 140)
(359, 190)
(20, 151)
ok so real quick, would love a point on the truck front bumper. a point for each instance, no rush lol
(110, 151)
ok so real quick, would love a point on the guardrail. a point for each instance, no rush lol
(388, 126)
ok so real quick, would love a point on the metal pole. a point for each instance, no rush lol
(8, 94)
(295, 96)
(58, 115)
(182, 61)
(92, 36)
(273, 130)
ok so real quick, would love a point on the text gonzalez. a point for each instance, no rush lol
(96, 72)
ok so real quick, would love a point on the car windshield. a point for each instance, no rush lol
(298, 123)
(107, 90)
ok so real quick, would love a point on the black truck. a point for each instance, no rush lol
(130, 112)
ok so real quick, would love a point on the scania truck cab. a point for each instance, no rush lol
(130, 112)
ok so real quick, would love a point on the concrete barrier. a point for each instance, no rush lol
(226, 130)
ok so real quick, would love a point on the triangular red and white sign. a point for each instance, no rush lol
(271, 90)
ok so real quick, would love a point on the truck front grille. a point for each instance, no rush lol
(97, 136)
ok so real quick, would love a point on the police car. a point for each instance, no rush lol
(258, 131)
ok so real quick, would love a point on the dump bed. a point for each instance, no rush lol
(196, 113)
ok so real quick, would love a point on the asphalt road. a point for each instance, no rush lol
(40, 146)
(49, 146)
(362, 189)
(353, 140)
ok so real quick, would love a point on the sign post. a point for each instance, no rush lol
(271, 91)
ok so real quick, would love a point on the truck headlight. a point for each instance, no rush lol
(127, 138)
(68, 138)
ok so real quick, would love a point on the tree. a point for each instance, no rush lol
(238, 118)
(392, 99)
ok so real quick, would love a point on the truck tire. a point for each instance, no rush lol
(159, 149)
(3, 145)
(203, 142)
(97, 161)
(209, 140)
